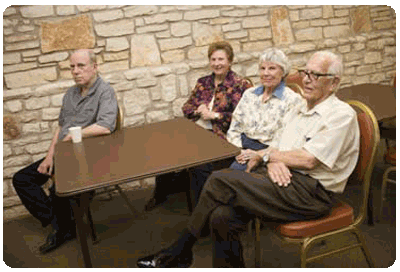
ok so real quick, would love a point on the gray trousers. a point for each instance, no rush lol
(231, 198)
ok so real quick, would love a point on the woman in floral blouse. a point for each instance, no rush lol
(257, 120)
(210, 105)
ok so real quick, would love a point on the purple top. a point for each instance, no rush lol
(227, 96)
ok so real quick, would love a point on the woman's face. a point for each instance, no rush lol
(219, 63)
(271, 74)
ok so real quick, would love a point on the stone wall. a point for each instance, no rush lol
(152, 56)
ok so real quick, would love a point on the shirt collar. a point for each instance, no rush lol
(228, 81)
(92, 88)
(320, 108)
(278, 92)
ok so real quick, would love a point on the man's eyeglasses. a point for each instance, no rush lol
(312, 75)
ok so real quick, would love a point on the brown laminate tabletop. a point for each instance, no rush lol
(380, 98)
(135, 153)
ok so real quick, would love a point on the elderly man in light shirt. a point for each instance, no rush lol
(296, 178)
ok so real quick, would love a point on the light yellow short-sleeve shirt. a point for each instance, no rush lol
(330, 132)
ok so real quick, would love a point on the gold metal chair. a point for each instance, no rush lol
(390, 157)
(341, 219)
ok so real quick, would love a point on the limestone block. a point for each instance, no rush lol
(16, 160)
(281, 31)
(29, 78)
(86, 8)
(163, 17)
(327, 11)
(115, 28)
(50, 114)
(19, 67)
(136, 102)
(64, 34)
(11, 58)
(35, 103)
(231, 27)
(337, 31)
(302, 47)
(108, 15)
(7, 151)
(59, 56)
(144, 51)
(256, 22)
(31, 53)
(116, 56)
(175, 43)
(180, 29)
(38, 147)
(309, 34)
(9, 11)
(22, 46)
(117, 44)
(183, 85)
(360, 19)
(198, 53)
(139, 10)
(123, 86)
(36, 11)
(13, 106)
(256, 46)
(168, 88)
(56, 100)
(365, 69)
(173, 56)
(151, 28)
(311, 13)
(17, 93)
(204, 34)
(135, 120)
(158, 116)
(146, 82)
(234, 13)
(136, 73)
(114, 66)
(20, 38)
(161, 70)
(256, 34)
(372, 57)
(65, 10)
(31, 128)
(201, 14)
(54, 88)
(177, 107)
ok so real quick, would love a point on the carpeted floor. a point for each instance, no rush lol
(126, 237)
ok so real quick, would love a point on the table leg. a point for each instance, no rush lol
(80, 206)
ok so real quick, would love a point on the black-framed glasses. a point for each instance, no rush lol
(313, 75)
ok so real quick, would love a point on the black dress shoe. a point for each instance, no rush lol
(165, 260)
(55, 240)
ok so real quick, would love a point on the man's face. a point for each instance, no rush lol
(317, 88)
(83, 71)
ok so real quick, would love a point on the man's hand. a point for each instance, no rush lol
(253, 163)
(67, 138)
(46, 167)
(279, 173)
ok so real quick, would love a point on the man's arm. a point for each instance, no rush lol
(46, 166)
(298, 159)
(91, 131)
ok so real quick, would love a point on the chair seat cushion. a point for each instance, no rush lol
(341, 215)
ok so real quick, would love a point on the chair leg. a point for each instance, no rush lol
(383, 189)
(133, 210)
(257, 244)
(364, 249)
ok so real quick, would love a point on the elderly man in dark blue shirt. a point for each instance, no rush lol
(90, 104)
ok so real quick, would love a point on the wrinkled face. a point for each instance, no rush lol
(83, 71)
(271, 74)
(317, 89)
(219, 63)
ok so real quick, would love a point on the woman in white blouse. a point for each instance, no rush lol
(257, 119)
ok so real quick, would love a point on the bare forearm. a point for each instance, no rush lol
(298, 159)
(94, 130)
(52, 147)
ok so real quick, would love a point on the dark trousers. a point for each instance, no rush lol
(52, 209)
(174, 182)
(231, 198)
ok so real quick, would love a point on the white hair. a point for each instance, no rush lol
(276, 56)
(335, 62)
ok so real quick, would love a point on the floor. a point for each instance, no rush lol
(126, 237)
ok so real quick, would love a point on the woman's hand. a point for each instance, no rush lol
(204, 112)
(279, 173)
(246, 155)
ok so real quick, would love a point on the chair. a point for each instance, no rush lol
(341, 219)
(295, 82)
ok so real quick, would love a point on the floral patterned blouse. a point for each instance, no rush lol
(227, 96)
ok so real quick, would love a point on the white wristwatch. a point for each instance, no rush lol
(266, 156)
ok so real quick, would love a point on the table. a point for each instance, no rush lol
(127, 155)
(382, 101)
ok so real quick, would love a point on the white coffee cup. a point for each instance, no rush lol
(76, 133)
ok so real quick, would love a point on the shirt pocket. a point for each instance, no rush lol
(86, 116)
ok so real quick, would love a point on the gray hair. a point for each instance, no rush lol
(276, 56)
(335, 62)
(90, 53)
